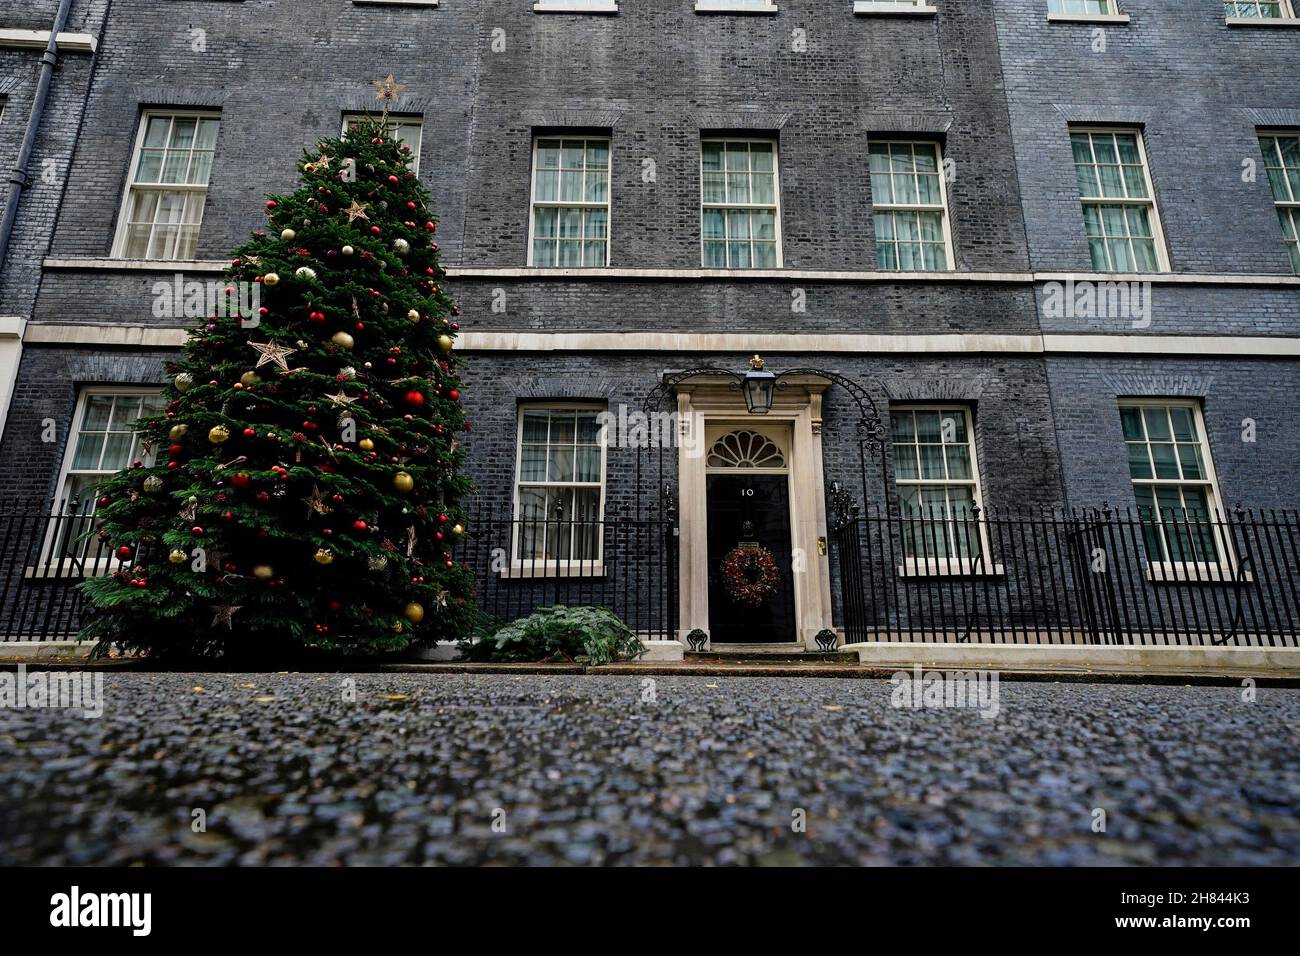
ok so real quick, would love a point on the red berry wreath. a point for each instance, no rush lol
(750, 574)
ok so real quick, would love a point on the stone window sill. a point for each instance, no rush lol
(396, 3)
(68, 570)
(1102, 18)
(866, 8)
(732, 6)
(943, 568)
(136, 265)
(39, 39)
(1293, 22)
(563, 6)
(551, 570)
(1190, 573)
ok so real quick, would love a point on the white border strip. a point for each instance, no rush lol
(1236, 346)
(91, 263)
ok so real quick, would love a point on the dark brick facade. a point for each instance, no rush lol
(991, 80)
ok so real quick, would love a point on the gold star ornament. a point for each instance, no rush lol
(273, 354)
(341, 398)
(356, 211)
(315, 502)
(221, 614)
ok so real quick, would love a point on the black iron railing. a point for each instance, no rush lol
(628, 564)
(521, 564)
(1077, 577)
(44, 553)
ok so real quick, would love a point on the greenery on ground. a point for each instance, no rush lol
(593, 634)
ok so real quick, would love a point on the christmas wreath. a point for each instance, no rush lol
(750, 574)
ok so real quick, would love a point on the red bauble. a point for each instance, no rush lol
(359, 525)
(430, 226)
(103, 501)
(453, 394)
(413, 398)
(124, 552)
(240, 479)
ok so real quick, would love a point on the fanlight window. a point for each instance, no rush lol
(745, 449)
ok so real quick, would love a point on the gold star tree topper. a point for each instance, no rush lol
(389, 90)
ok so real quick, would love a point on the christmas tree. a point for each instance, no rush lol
(306, 483)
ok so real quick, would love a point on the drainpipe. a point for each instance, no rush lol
(18, 177)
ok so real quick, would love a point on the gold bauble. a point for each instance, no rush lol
(183, 381)
(270, 279)
(347, 250)
(218, 434)
(398, 627)
(366, 444)
(342, 340)
(324, 556)
(445, 343)
(458, 529)
(248, 379)
(178, 432)
(403, 482)
(286, 235)
(177, 556)
(413, 612)
(413, 315)
(153, 483)
(263, 572)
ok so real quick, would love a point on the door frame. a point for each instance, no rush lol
(799, 403)
(715, 428)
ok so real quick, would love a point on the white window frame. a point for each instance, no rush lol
(1112, 13)
(1157, 226)
(521, 567)
(397, 120)
(912, 566)
(534, 203)
(51, 563)
(1170, 570)
(1286, 11)
(120, 238)
(942, 208)
(776, 190)
(1279, 203)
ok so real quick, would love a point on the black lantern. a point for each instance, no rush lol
(759, 387)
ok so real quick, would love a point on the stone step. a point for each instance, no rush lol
(794, 657)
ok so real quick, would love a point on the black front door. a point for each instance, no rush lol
(750, 510)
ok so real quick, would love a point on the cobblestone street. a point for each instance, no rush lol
(459, 769)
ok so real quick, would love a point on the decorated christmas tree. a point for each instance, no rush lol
(306, 480)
